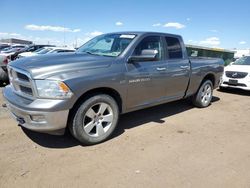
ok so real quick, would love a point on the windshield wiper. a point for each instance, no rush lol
(88, 52)
(106, 55)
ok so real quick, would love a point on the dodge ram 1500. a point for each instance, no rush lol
(112, 74)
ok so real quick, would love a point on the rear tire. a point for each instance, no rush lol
(204, 95)
(95, 119)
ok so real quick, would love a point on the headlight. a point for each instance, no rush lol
(52, 89)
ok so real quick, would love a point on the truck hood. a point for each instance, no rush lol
(44, 66)
(238, 68)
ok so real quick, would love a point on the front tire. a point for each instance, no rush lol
(95, 119)
(204, 95)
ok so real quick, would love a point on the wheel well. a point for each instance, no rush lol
(108, 91)
(210, 77)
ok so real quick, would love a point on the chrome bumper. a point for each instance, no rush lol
(52, 122)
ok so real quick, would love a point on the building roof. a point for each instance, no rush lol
(212, 49)
(16, 41)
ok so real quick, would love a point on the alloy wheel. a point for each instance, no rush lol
(206, 94)
(98, 119)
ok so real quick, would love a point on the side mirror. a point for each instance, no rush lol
(146, 55)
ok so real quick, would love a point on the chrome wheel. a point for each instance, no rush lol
(98, 119)
(206, 94)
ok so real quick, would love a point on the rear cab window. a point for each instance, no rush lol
(174, 49)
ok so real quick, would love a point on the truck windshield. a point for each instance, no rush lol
(111, 45)
(243, 61)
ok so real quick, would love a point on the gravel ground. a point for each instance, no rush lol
(172, 145)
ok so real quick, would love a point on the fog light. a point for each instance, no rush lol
(37, 118)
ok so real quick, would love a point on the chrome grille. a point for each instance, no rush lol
(21, 82)
(233, 74)
(22, 77)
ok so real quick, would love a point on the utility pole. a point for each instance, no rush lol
(63, 34)
(76, 42)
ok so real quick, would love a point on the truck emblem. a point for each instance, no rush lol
(139, 80)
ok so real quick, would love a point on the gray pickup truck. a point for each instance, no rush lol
(110, 75)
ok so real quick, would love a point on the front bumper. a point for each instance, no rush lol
(41, 115)
(242, 83)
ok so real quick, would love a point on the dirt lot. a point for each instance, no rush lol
(172, 145)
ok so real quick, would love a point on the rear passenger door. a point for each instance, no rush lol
(178, 68)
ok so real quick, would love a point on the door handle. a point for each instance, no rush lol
(160, 68)
(184, 67)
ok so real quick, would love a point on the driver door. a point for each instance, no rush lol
(146, 78)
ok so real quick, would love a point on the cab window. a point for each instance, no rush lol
(174, 48)
(150, 43)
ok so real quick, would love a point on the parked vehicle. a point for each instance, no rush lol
(237, 74)
(46, 50)
(30, 48)
(12, 48)
(28, 54)
(61, 50)
(3, 46)
(5, 57)
(110, 75)
(9, 52)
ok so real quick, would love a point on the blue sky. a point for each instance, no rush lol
(211, 23)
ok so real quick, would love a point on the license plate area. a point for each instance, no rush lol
(233, 82)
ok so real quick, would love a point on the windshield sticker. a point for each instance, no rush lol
(127, 36)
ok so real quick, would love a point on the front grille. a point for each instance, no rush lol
(233, 74)
(22, 77)
(20, 82)
(26, 90)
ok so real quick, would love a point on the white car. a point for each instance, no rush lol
(28, 54)
(237, 74)
(46, 50)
